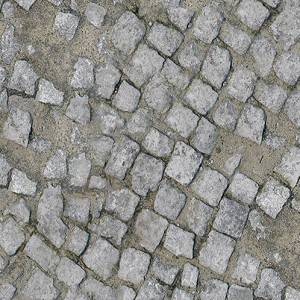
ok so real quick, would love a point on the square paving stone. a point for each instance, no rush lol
(243, 188)
(179, 242)
(101, 257)
(208, 23)
(215, 254)
(189, 277)
(133, 265)
(214, 289)
(122, 202)
(140, 122)
(150, 290)
(78, 209)
(197, 216)
(149, 228)
(146, 174)
(246, 268)
(7, 291)
(164, 39)
(122, 157)
(66, 24)
(169, 200)
(97, 290)
(95, 14)
(272, 197)
(79, 168)
(180, 17)
(78, 109)
(77, 240)
(226, 115)
(237, 292)
(191, 57)
(164, 272)
(200, 96)
(289, 167)
(216, 66)
(241, 84)
(184, 163)
(179, 294)
(205, 137)
(210, 185)
(83, 76)
(252, 13)
(182, 120)
(292, 107)
(127, 32)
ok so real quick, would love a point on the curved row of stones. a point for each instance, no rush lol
(158, 112)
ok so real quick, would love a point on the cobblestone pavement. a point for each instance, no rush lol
(149, 150)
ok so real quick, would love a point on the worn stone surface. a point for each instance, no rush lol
(47, 93)
(164, 272)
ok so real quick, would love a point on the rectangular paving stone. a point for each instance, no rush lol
(189, 277)
(214, 289)
(215, 254)
(184, 163)
(150, 290)
(292, 107)
(237, 292)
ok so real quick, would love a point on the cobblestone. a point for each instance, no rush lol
(164, 272)
(190, 276)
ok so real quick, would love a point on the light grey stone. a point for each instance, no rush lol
(2, 72)
(78, 209)
(291, 294)
(243, 188)
(69, 273)
(225, 115)
(157, 143)
(205, 137)
(210, 185)
(79, 169)
(182, 120)
(180, 17)
(9, 46)
(158, 95)
(122, 202)
(133, 265)
(251, 123)
(49, 213)
(98, 182)
(179, 294)
(164, 39)
(150, 290)
(272, 197)
(272, 96)
(175, 75)
(23, 78)
(18, 126)
(246, 268)
(164, 272)
(95, 14)
(201, 96)
(78, 109)
(83, 76)
(179, 242)
(11, 236)
(40, 144)
(144, 64)
(208, 23)
(149, 228)
(272, 3)
(124, 292)
(7, 10)
(241, 84)
(4, 169)
(7, 291)
(122, 157)
(140, 122)
(146, 174)
(169, 200)
(56, 167)
(235, 38)
(274, 141)
(216, 66)
(110, 228)
(237, 292)
(75, 294)
(101, 257)
(26, 4)
(197, 215)
(191, 57)
(56, 2)
(39, 286)
(184, 163)
(232, 163)
(270, 285)
(47, 93)
(107, 77)
(215, 254)
(289, 166)
(252, 13)
(231, 218)
(3, 263)
(97, 290)
(215, 289)
(127, 97)
(44, 256)
(21, 184)
(292, 107)
(3, 100)
(189, 277)
(20, 210)
(287, 67)
(264, 54)
(127, 32)
(255, 217)
(66, 25)
(77, 240)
